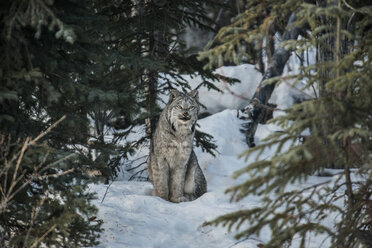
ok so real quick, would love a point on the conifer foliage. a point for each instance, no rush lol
(102, 65)
(43, 199)
(337, 125)
(47, 55)
(153, 55)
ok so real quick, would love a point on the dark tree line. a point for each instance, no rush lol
(100, 66)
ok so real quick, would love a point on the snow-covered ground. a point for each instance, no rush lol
(132, 217)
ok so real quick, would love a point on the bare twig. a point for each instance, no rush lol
(33, 214)
(44, 235)
(137, 166)
(57, 162)
(54, 175)
(104, 196)
(42, 134)
(9, 194)
(35, 177)
(135, 174)
(20, 157)
(349, 6)
(242, 240)
(47, 131)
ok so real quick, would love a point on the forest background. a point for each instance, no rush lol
(74, 72)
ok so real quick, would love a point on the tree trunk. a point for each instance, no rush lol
(259, 108)
(151, 95)
(158, 49)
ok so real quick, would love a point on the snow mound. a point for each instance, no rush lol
(217, 101)
(236, 96)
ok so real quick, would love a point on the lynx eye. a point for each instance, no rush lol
(192, 107)
(179, 107)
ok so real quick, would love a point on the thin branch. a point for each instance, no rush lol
(47, 131)
(137, 166)
(14, 183)
(54, 175)
(33, 213)
(44, 235)
(300, 58)
(349, 6)
(135, 174)
(104, 196)
(28, 181)
(242, 240)
(20, 157)
(57, 162)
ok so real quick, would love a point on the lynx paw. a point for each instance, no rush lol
(190, 197)
(156, 193)
(178, 199)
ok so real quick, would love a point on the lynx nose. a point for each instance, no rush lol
(185, 116)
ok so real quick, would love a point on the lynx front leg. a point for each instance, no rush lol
(177, 184)
(161, 180)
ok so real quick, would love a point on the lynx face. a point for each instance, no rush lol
(183, 111)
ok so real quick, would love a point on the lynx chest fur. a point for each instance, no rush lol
(173, 167)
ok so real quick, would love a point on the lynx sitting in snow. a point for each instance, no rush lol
(173, 167)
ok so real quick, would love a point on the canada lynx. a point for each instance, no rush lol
(173, 167)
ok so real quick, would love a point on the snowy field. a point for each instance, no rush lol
(132, 217)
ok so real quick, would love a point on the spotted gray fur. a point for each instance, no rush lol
(173, 167)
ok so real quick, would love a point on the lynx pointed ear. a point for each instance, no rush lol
(173, 94)
(194, 94)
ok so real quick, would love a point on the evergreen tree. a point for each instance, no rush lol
(339, 124)
(43, 201)
(56, 60)
(47, 74)
(49, 60)
(235, 44)
(149, 36)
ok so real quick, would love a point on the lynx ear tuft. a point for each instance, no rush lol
(173, 94)
(194, 94)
